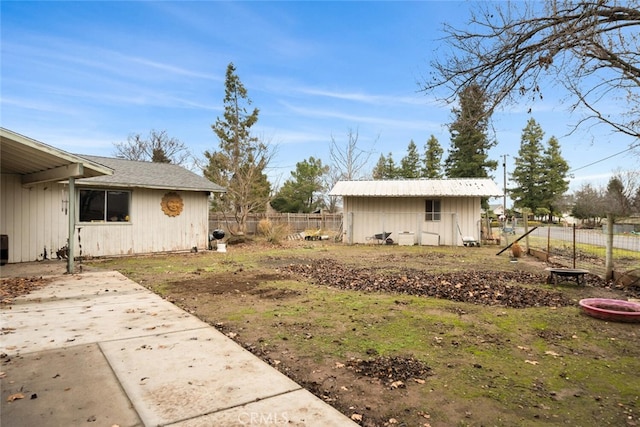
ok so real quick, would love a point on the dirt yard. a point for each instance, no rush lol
(412, 336)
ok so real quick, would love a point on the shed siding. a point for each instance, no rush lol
(367, 216)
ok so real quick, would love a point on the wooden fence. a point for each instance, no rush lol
(296, 222)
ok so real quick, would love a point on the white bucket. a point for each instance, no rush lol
(222, 247)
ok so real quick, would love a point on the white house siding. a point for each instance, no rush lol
(150, 230)
(33, 218)
(365, 217)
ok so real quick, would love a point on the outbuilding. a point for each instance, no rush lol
(56, 204)
(407, 212)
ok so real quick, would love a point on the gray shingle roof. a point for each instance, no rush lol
(469, 187)
(135, 174)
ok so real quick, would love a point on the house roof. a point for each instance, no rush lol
(459, 187)
(38, 162)
(137, 174)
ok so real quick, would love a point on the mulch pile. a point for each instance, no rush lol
(391, 370)
(478, 287)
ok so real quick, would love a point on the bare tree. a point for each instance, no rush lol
(592, 48)
(348, 159)
(347, 163)
(158, 147)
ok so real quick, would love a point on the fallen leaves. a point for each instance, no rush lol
(15, 396)
(12, 287)
(397, 384)
(478, 287)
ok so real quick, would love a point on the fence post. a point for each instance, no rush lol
(525, 219)
(548, 242)
(574, 246)
(608, 275)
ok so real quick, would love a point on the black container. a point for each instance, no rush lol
(4, 249)
(218, 234)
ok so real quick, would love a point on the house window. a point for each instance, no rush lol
(104, 205)
(432, 210)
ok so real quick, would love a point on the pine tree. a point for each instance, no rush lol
(302, 192)
(528, 173)
(432, 162)
(468, 155)
(378, 169)
(555, 172)
(410, 164)
(385, 168)
(240, 162)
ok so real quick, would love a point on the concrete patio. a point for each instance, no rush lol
(98, 348)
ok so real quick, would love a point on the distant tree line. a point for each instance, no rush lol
(540, 176)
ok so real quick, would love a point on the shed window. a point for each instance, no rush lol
(104, 205)
(432, 210)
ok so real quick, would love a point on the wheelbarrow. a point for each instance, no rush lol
(382, 238)
(312, 235)
(470, 241)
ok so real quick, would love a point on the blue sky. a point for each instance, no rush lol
(83, 75)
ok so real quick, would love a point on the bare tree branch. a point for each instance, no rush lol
(511, 50)
(157, 147)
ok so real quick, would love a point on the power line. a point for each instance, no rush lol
(606, 158)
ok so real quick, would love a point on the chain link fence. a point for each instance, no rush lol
(573, 247)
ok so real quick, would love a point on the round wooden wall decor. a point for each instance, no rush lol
(172, 204)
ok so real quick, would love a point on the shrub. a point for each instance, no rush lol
(516, 250)
(273, 233)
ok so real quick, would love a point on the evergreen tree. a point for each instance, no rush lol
(590, 204)
(528, 173)
(302, 192)
(432, 162)
(468, 155)
(385, 168)
(378, 169)
(240, 162)
(555, 172)
(618, 203)
(410, 164)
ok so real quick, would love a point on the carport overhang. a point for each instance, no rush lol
(37, 163)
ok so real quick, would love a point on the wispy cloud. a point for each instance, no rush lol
(361, 97)
(45, 106)
(361, 118)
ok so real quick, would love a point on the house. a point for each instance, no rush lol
(423, 211)
(57, 204)
(497, 210)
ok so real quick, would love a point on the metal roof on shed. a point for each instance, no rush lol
(459, 187)
(136, 174)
